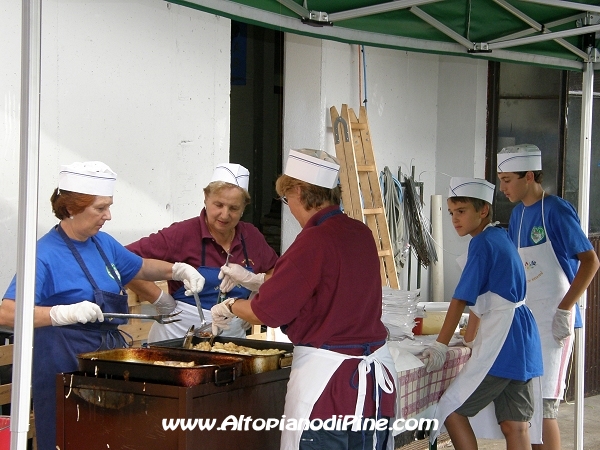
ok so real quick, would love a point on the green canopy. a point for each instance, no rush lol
(552, 33)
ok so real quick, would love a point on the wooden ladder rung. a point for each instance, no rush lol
(361, 194)
(366, 168)
(373, 211)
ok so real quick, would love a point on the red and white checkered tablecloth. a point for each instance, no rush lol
(418, 390)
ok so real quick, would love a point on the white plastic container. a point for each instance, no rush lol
(434, 314)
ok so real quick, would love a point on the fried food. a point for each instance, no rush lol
(175, 363)
(230, 347)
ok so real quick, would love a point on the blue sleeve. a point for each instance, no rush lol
(473, 279)
(564, 228)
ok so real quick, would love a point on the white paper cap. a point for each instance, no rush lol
(519, 158)
(313, 166)
(232, 173)
(90, 177)
(471, 187)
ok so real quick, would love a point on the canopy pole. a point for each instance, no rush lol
(27, 220)
(583, 207)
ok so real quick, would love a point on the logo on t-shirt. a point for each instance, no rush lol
(537, 234)
(116, 272)
(530, 264)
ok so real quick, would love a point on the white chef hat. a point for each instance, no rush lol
(313, 166)
(90, 177)
(232, 173)
(519, 158)
(471, 187)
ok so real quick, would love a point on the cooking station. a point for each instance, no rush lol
(118, 399)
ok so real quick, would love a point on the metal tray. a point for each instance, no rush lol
(251, 364)
(138, 364)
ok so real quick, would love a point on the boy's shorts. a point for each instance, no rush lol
(513, 399)
(550, 408)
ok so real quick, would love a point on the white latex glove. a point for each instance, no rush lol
(560, 326)
(465, 343)
(222, 315)
(164, 304)
(82, 312)
(235, 274)
(437, 356)
(192, 280)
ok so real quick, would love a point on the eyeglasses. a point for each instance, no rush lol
(284, 200)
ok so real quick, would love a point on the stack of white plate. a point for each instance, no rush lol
(399, 309)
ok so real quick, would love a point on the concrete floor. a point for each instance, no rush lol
(566, 419)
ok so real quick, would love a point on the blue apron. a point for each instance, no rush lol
(210, 292)
(55, 349)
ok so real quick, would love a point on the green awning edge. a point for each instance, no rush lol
(256, 16)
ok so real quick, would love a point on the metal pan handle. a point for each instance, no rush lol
(224, 375)
(286, 360)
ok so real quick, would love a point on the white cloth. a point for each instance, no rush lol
(547, 284)
(231, 173)
(403, 359)
(519, 158)
(471, 187)
(312, 368)
(90, 177)
(496, 316)
(189, 316)
(313, 166)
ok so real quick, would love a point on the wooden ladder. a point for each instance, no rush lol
(361, 193)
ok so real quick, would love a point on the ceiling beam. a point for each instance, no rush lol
(545, 37)
(301, 11)
(441, 27)
(568, 5)
(540, 28)
(377, 9)
(531, 31)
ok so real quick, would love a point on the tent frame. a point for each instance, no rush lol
(326, 25)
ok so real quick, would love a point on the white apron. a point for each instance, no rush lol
(312, 368)
(496, 316)
(547, 284)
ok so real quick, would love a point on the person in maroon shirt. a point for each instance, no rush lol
(325, 293)
(204, 242)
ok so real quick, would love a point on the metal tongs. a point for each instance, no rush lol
(160, 318)
(223, 295)
(204, 325)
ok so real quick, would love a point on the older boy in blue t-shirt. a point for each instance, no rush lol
(506, 351)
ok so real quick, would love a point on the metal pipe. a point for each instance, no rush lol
(377, 9)
(27, 220)
(545, 37)
(583, 207)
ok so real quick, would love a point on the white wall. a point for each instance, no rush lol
(140, 85)
(424, 110)
(144, 86)
(461, 133)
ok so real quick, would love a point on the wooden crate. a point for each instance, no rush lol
(138, 328)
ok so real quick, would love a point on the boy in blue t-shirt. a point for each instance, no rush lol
(559, 262)
(506, 352)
